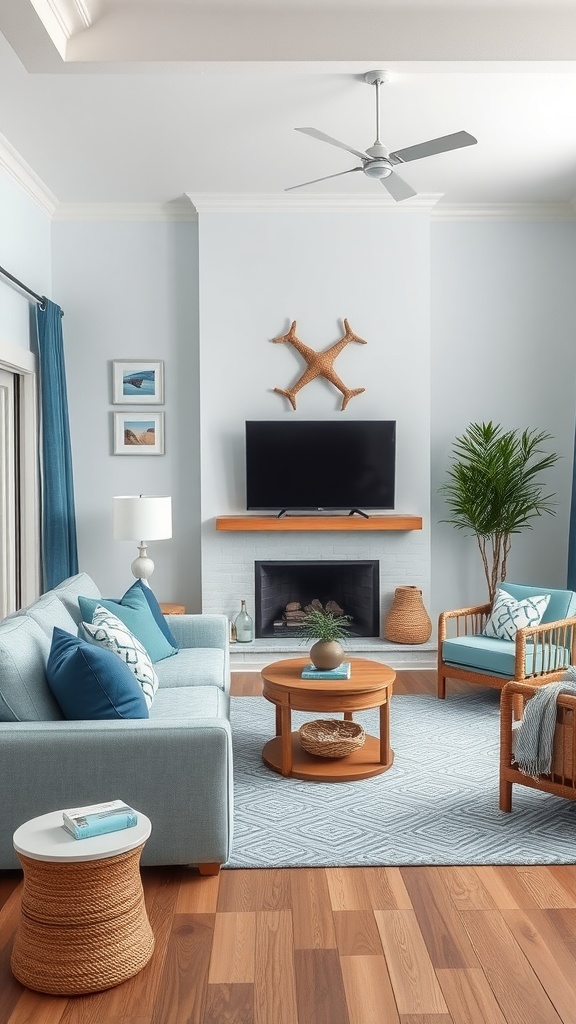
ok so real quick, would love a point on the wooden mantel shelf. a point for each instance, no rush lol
(271, 523)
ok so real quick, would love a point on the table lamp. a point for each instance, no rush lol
(138, 516)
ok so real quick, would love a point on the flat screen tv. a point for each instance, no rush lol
(318, 465)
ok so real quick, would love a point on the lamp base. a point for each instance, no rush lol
(143, 566)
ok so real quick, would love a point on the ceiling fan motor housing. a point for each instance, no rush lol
(379, 168)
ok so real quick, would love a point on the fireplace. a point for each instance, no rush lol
(353, 585)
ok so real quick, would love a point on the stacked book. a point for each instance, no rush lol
(341, 671)
(97, 819)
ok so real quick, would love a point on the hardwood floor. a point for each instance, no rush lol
(434, 945)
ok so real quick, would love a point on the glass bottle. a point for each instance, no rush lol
(244, 625)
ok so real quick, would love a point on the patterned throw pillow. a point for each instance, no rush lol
(509, 615)
(108, 631)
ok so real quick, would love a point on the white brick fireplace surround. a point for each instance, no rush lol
(228, 576)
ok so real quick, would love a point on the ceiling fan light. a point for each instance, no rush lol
(378, 169)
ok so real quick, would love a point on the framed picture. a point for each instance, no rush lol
(138, 433)
(137, 382)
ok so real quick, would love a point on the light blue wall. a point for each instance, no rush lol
(503, 349)
(25, 231)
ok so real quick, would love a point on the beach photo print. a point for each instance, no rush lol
(138, 433)
(137, 382)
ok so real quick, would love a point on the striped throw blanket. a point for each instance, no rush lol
(535, 737)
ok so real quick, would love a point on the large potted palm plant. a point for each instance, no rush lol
(494, 491)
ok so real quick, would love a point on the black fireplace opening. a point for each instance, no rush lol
(354, 586)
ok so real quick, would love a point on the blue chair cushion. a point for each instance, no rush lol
(134, 611)
(497, 657)
(562, 604)
(91, 683)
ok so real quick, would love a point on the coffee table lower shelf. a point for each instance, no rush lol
(360, 764)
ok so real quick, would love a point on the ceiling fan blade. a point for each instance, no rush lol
(325, 178)
(332, 142)
(442, 145)
(397, 187)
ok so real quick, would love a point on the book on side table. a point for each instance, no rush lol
(341, 671)
(97, 819)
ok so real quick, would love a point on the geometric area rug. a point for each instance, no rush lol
(436, 805)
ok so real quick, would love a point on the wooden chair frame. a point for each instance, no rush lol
(548, 635)
(562, 780)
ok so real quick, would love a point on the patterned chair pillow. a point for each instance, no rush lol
(509, 615)
(107, 630)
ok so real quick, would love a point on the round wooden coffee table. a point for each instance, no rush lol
(369, 686)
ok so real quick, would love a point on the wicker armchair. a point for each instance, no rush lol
(539, 654)
(562, 780)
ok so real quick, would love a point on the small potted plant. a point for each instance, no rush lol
(327, 629)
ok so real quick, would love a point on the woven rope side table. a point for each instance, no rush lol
(83, 924)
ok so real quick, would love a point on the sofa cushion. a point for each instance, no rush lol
(134, 611)
(24, 692)
(193, 666)
(48, 611)
(190, 702)
(109, 632)
(156, 610)
(508, 615)
(70, 590)
(497, 657)
(91, 683)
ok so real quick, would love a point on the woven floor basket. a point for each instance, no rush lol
(330, 737)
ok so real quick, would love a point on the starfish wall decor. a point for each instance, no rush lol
(320, 364)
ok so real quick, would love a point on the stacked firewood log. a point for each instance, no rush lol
(294, 614)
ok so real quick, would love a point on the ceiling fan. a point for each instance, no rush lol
(377, 162)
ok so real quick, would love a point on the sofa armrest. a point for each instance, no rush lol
(465, 621)
(177, 772)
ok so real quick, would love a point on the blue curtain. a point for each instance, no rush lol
(572, 534)
(59, 551)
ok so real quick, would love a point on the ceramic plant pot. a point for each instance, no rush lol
(326, 654)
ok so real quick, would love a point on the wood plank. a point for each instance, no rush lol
(414, 982)
(386, 889)
(348, 889)
(550, 959)
(308, 524)
(34, 1008)
(244, 890)
(229, 1004)
(469, 996)
(197, 894)
(368, 990)
(546, 891)
(427, 1018)
(183, 996)
(274, 983)
(319, 988)
(511, 978)
(495, 883)
(10, 988)
(246, 684)
(357, 933)
(465, 888)
(446, 939)
(233, 949)
(312, 918)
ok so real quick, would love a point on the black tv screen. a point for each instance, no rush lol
(320, 465)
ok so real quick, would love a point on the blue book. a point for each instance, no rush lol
(98, 819)
(341, 671)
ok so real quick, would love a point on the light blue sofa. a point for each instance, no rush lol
(175, 766)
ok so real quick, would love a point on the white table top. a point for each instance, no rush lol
(45, 838)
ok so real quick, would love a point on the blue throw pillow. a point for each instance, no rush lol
(91, 683)
(156, 610)
(134, 611)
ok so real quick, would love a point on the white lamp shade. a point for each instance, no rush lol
(142, 517)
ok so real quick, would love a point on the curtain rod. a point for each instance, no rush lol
(39, 298)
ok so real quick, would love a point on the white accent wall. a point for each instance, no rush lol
(257, 273)
(25, 232)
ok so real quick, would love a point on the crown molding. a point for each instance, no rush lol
(26, 178)
(533, 212)
(151, 213)
(336, 203)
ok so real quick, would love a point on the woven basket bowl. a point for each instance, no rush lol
(330, 737)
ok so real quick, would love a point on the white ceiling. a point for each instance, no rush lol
(142, 101)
